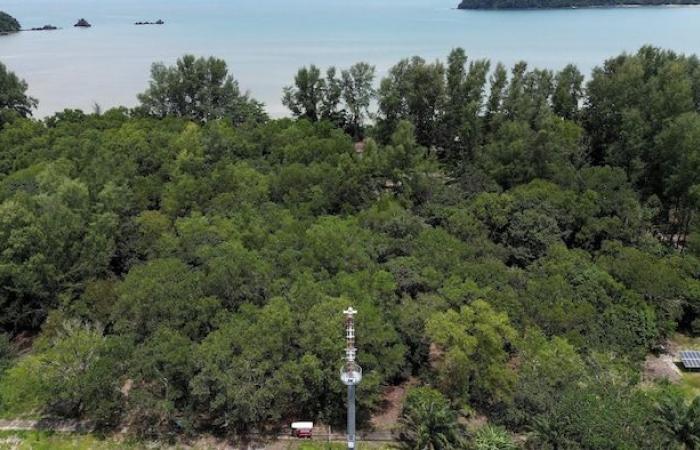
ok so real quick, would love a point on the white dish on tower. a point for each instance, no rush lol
(351, 373)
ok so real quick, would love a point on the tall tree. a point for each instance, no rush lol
(414, 90)
(568, 92)
(198, 89)
(314, 98)
(462, 123)
(497, 91)
(305, 97)
(358, 92)
(678, 149)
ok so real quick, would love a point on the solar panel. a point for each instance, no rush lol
(690, 359)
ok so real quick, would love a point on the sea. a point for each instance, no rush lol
(265, 41)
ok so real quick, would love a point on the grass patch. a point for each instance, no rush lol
(43, 440)
(48, 440)
(685, 342)
(690, 384)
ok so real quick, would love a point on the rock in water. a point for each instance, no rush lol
(83, 23)
(45, 28)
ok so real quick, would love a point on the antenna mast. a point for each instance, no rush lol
(351, 372)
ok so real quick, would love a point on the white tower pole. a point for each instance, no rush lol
(350, 373)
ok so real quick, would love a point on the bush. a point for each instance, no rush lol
(6, 352)
(493, 438)
(22, 390)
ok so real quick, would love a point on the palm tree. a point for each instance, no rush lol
(490, 437)
(428, 423)
(680, 421)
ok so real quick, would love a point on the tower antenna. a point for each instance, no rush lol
(350, 372)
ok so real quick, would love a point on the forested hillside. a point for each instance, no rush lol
(515, 239)
(530, 4)
(8, 24)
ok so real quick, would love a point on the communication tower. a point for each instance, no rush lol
(350, 372)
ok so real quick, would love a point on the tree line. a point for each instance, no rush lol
(517, 240)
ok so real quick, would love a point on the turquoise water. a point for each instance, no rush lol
(265, 41)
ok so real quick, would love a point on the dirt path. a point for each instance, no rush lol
(391, 405)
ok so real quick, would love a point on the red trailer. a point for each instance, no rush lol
(302, 429)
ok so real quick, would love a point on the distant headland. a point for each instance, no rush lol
(8, 24)
(543, 4)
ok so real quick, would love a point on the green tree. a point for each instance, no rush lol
(163, 292)
(357, 93)
(198, 89)
(678, 145)
(160, 372)
(305, 97)
(13, 96)
(629, 151)
(314, 98)
(474, 346)
(679, 421)
(568, 92)
(497, 90)
(548, 366)
(461, 130)
(428, 422)
(80, 369)
(414, 91)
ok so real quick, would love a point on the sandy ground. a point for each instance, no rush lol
(664, 366)
(657, 368)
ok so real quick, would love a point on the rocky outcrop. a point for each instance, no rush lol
(157, 22)
(44, 28)
(82, 23)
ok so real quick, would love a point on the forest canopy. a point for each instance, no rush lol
(516, 241)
